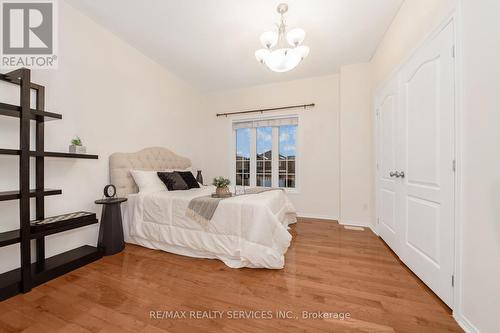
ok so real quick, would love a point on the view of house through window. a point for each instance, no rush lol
(243, 156)
(266, 152)
(287, 149)
(264, 156)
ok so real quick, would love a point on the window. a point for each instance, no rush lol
(243, 157)
(288, 152)
(264, 156)
(266, 152)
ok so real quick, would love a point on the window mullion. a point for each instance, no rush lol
(233, 168)
(253, 156)
(275, 156)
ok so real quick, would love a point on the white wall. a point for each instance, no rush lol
(356, 146)
(481, 164)
(414, 21)
(335, 178)
(112, 96)
(318, 137)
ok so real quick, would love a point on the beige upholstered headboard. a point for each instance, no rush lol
(154, 159)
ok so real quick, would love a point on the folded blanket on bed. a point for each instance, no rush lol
(202, 209)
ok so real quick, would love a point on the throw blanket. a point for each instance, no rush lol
(202, 209)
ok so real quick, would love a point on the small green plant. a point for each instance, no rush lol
(221, 182)
(76, 141)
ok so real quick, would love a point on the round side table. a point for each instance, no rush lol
(111, 229)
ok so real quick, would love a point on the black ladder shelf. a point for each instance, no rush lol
(29, 275)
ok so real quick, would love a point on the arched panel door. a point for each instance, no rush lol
(387, 197)
(426, 139)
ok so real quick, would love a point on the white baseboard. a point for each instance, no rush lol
(320, 217)
(465, 324)
(354, 223)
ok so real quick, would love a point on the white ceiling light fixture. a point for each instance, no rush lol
(283, 50)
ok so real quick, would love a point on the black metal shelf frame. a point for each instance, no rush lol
(29, 275)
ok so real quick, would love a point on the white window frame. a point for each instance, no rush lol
(275, 154)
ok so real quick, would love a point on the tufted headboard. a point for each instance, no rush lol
(154, 158)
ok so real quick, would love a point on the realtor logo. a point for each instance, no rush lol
(28, 34)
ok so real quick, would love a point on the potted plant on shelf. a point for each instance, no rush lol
(221, 185)
(77, 146)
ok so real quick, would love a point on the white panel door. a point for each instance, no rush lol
(426, 125)
(387, 117)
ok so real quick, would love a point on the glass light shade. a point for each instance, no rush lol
(282, 60)
(302, 51)
(295, 36)
(269, 39)
(261, 54)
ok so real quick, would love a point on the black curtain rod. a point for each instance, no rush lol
(267, 110)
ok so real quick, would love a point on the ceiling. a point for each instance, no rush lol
(211, 43)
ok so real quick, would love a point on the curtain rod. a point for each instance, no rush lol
(266, 110)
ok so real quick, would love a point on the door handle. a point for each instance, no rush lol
(400, 174)
(393, 174)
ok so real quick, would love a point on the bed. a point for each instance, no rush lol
(245, 231)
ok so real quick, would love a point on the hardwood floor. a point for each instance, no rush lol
(328, 269)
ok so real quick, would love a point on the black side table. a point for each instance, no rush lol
(111, 228)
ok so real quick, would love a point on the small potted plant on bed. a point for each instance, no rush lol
(77, 146)
(221, 185)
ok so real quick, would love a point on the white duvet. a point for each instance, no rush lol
(245, 231)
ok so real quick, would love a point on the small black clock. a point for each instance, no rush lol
(110, 191)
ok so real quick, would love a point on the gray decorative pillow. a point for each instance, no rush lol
(173, 181)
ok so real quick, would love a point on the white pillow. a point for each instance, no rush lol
(148, 181)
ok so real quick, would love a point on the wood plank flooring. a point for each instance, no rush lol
(328, 269)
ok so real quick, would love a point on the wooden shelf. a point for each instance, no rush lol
(14, 195)
(9, 152)
(10, 284)
(15, 80)
(9, 238)
(63, 263)
(60, 223)
(30, 275)
(50, 154)
(52, 267)
(10, 110)
(69, 155)
(49, 226)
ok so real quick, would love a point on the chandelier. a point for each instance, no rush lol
(283, 50)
